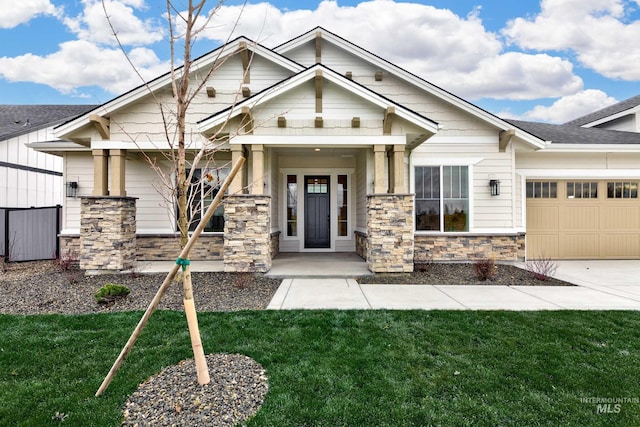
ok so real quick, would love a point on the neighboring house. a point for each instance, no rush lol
(346, 152)
(29, 178)
(623, 116)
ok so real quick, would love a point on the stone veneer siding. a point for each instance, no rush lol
(275, 244)
(469, 247)
(166, 247)
(390, 229)
(107, 233)
(247, 236)
(361, 244)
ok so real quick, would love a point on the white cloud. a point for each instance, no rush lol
(456, 53)
(566, 108)
(92, 24)
(80, 63)
(19, 12)
(595, 30)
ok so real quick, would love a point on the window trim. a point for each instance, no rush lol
(468, 163)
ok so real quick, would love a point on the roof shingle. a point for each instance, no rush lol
(19, 119)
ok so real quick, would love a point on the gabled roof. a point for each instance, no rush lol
(627, 106)
(570, 134)
(164, 80)
(17, 120)
(407, 76)
(352, 87)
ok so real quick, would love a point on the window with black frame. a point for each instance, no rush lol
(205, 184)
(442, 198)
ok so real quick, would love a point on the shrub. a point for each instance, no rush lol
(542, 268)
(111, 292)
(67, 261)
(485, 269)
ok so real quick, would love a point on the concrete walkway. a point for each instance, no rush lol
(602, 285)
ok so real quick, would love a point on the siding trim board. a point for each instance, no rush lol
(29, 168)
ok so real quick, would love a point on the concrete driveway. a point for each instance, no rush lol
(618, 277)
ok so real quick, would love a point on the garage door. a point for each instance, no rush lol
(583, 219)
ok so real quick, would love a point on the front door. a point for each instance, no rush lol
(317, 212)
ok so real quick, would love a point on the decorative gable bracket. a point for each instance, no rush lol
(505, 138)
(101, 124)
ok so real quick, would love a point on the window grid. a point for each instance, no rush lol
(582, 190)
(622, 190)
(442, 198)
(542, 189)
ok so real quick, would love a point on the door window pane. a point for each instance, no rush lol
(292, 205)
(343, 205)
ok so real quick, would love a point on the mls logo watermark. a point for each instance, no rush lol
(609, 405)
(608, 408)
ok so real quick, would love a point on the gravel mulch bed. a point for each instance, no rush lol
(41, 288)
(174, 398)
(461, 274)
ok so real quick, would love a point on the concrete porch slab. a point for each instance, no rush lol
(318, 264)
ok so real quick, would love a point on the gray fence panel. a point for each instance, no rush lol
(33, 234)
(3, 213)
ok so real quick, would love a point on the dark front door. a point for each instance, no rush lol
(317, 213)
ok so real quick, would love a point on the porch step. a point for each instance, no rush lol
(318, 265)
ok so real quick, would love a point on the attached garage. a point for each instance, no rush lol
(583, 219)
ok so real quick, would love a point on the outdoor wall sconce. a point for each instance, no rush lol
(72, 188)
(494, 184)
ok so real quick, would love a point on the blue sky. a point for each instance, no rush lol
(548, 60)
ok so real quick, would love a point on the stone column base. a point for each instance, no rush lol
(390, 233)
(247, 237)
(107, 234)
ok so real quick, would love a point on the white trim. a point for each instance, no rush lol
(578, 173)
(446, 161)
(165, 79)
(470, 190)
(332, 173)
(317, 140)
(411, 79)
(70, 232)
(310, 73)
(627, 112)
(441, 139)
(592, 148)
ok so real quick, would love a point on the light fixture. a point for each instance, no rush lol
(72, 188)
(494, 184)
(316, 149)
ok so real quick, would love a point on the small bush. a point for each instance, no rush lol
(67, 261)
(111, 292)
(485, 269)
(542, 268)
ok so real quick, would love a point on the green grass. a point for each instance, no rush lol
(341, 368)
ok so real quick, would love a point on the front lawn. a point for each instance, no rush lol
(342, 368)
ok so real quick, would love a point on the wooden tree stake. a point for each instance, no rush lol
(184, 254)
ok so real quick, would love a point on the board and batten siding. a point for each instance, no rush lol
(21, 187)
(142, 120)
(455, 121)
